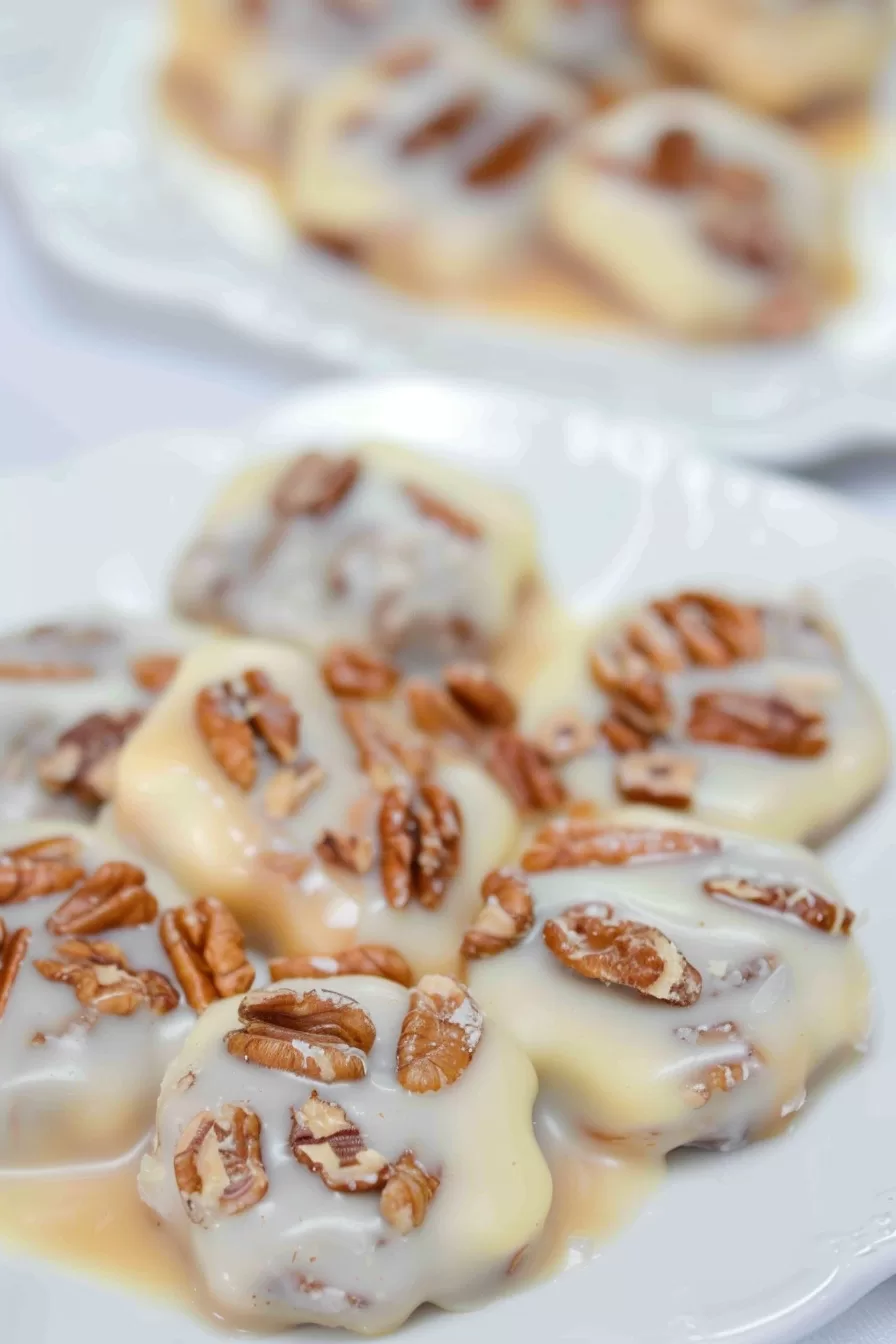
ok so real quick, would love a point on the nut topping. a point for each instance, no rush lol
(757, 722)
(43, 868)
(524, 770)
(576, 843)
(365, 959)
(509, 158)
(103, 979)
(352, 852)
(659, 777)
(218, 1165)
(325, 1141)
(591, 941)
(357, 674)
(387, 751)
(505, 918)
(676, 163)
(444, 125)
(801, 903)
(439, 1035)
(313, 485)
(154, 671)
(113, 897)
(319, 1034)
(438, 510)
(484, 699)
(420, 846)
(565, 736)
(13, 948)
(438, 714)
(84, 759)
(207, 951)
(408, 1194)
(714, 631)
(238, 717)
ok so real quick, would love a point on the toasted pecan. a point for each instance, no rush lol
(507, 159)
(218, 1164)
(524, 770)
(324, 1140)
(13, 949)
(84, 759)
(207, 951)
(388, 752)
(506, 916)
(319, 1034)
(43, 868)
(798, 902)
(345, 850)
(483, 698)
(594, 943)
(420, 845)
(407, 1194)
(365, 959)
(104, 980)
(578, 842)
(356, 673)
(313, 485)
(114, 896)
(439, 1035)
(438, 714)
(154, 671)
(664, 778)
(438, 510)
(445, 125)
(758, 723)
(242, 716)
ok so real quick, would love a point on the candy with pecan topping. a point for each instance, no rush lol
(355, 673)
(578, 842)
(104, 980)
(365, 959)
(218, 1164)
(594, 943)
(420, 846)
(115, 896)
(801, 903)
(505, 918)
(523, 769)
(83, 761)
(439, 1035)
(319, 1034)
(665, 778)
(313, 485)
(325, 1141)
(42, 868)
(13, 948)
(758, 723)
(407, 1194)
(206, 948)
(485, 700)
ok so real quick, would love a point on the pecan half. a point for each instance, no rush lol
(345, 850)
(578, 842)
(591, 941)
(420, 846)
(365, 959)
(757, 722)
(84, 759)
(659, 777)
(218, 1165)
(480, 695)
(238, 717)
(524, 770)
(43, 868)
(325, 1141)
(640, 709)
(103, 979)
(319, 1034)
(387, 752)
(676, 162)
(566, 735)
(509, 158)
(506, 917)
(13, 947)
(288, 790)
(443, 126)
(713, 630)
(650, 636)
(439, 1035)
(438, 510)
(154, 671)
(355, 673)
(207, 951)
(438, 714)
(115, 896)
(801, 903)
(228, 737)
(407, 1194)
(313, 485)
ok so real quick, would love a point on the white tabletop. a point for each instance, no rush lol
(78, 368)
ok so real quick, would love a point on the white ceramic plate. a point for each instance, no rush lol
(117, 199)
(755, 1247)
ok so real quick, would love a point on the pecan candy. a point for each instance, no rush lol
(319, 1034)
(439, 1035)
(218, 1164)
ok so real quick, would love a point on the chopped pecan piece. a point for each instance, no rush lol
(505, 918)
(509, 158)
(287, 791)
(154, 671)
(355, 673)
(218, 1165)
(801, 903)
(319, 1034)
(653, 639)
(84, 758)
(103, 979)
(660, 777)
(437, 714)
(591, 941)
(565, 736)
(13, 947)
(420, 845)
(207, 951)
(387, 752)
(43, 868)
(345, 850)
(676, 163)
(237, 717)
(407, 1194)
(758, 723)
(439, 1035)
(325, 1141)
(438, 510)
(365, 959)
(578, 842)
(313, 485)
(115, 896)
(444, 125)
(480, 695)
(523, 769)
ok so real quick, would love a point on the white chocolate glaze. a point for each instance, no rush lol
(592, 40)
(651, 242)
(177, 805)
(97, 651)
(306, 1253)
(85, 1089)
(781, 56)
(778, 999)
(782, 797)
(373, 570)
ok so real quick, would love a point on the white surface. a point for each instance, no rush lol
(754, 1247)
(113, 203)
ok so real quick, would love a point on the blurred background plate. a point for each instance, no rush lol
(115, 197)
